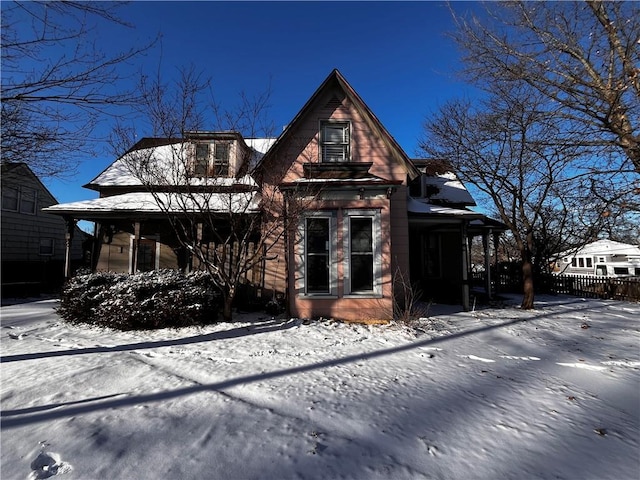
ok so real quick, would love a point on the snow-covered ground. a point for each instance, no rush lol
(552, 393)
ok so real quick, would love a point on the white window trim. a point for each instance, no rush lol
(374, 214)
(301, 278)
(321, 143)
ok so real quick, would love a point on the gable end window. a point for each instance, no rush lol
(20, 199)
(335, 142)
(10, 199)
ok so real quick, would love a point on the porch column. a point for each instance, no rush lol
(70, 225)
(465, 267)
(496, 240)
(136, 244)
(487, 262)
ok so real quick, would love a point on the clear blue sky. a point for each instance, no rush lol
(395, 54)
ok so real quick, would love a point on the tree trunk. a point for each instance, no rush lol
(228, 295)
(226, 308)
(527, 279)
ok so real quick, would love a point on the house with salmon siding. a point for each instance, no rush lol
(356, 223)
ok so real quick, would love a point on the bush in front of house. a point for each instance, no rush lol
(143, 301)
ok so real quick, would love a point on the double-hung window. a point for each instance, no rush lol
(221, 159)
(334, 141)
(28, 200)
(20, 199)
(362, 252)
(10, 198)
(201, 166)
(318, 255)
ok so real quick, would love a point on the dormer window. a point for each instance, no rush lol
(208, 165)
(221, 159)
(201, 167)
(334, 142)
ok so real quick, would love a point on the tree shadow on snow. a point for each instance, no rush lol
(253, 329)
(21, 417)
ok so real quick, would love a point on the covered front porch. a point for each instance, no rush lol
(440, 241)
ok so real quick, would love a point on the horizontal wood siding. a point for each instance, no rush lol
(22, 232)
(366, 146)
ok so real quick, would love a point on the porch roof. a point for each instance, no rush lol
(418, 207)
(146, 204)
(420, 211)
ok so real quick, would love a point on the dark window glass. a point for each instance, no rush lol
(202, 160)
(222, 159)
(317, 255)
(28, 201)
(432, 255)
(415, 187)
(146, 255)
(10, 197)
(361, 254)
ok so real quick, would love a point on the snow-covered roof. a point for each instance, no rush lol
(607, 247)
(148, 203)
(448, 188)
(418, 206)
(164, 165)
(260, 144)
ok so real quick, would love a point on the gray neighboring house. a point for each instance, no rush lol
(33, 242)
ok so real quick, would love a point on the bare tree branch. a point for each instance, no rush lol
(57, 85)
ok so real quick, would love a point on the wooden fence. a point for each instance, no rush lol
(590, 286)
(587, 286)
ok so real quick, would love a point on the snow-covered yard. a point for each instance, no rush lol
(552, 393)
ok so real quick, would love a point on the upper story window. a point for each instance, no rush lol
(212, 160)
(221, 159)
(201, 167)
(20, 199)
(335, 142)
(10, 198)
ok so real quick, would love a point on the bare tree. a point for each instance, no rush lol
(511, 148)
(228, 223)
(583, 56)
(56, 82)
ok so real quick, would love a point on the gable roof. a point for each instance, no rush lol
(8, 169)
(335, 78)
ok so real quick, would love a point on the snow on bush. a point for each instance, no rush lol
(149, 300)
